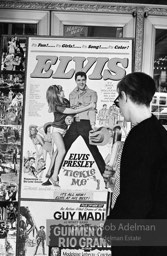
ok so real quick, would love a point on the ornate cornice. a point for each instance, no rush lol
(156, 11)
(64, 6)
(138, 11)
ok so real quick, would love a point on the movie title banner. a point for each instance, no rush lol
(76, 234)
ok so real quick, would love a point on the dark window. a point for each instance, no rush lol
(18, 29)
(93, 31)
(162, 101)
(154, 100)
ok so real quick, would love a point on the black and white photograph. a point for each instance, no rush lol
(12, 81)
(13, 53)
(8, 227)
(83, 128)
(10, 157)
(11, 106)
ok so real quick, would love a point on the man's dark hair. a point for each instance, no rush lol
(139, 86)
(80, 73)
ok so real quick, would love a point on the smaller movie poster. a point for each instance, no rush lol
(38, 219)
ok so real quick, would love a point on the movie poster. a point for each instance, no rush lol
(46, 227)
(55, 61)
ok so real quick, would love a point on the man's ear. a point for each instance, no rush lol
(124, 96)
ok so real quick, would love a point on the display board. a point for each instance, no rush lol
(30, 146)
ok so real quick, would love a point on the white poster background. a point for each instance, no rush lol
(55, 61)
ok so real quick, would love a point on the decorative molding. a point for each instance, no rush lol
(140, 13)
(156, 11)
(64, 6)
(139, 39)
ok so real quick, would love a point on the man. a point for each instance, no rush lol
(11, 214)
(41, 237)
(12, 193)
(103, 115)
(85, 121)
(143, 166)
(14, 160)
(29, 166)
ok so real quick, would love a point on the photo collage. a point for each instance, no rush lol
(12, 75)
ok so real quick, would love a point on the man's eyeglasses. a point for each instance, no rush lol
(116, 101)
